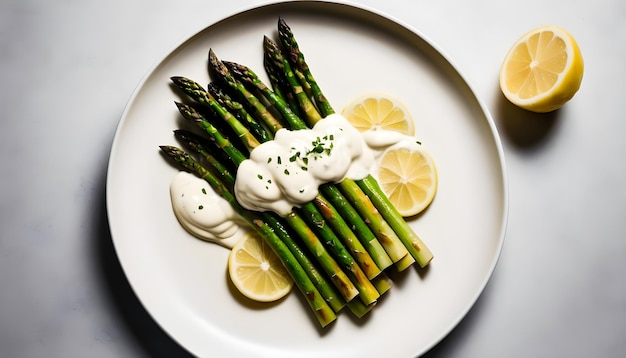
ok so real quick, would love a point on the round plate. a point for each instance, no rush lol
(182, 281)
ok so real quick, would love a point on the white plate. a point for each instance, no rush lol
(182, 281)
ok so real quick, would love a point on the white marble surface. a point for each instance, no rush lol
(69, 67)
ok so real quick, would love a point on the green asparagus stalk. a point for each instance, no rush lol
(245, 75)
(336, 222)
(358, 226)
(296, 57)
(278, 83)
(268, 118)
(367, 291)
(274, 53)
(309, 237)
(198, 93)
(240, 111)
(322, 311)
(383, 283)
(197, 145)
(383, 231)
(410, 239)
(416, 247)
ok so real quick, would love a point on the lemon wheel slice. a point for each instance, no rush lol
(408, 176)
(379, 111)
(543, 70)
(256, 271)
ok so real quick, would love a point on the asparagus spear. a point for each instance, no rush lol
(296, 57)
(309, 238)
(281, 63)
(278, 82)
(322, 311)
(245, 75)
(240, 111)
(195, 91)
(268, 118)
(418, 250)
(411, 240)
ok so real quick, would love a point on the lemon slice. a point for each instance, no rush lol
(379, 111)
(256, 271)
(408, 176)
(543, 70)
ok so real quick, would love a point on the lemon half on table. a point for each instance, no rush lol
(543, 70)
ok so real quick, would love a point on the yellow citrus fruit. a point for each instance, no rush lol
(256, 271)
(408, 176)
(543, 70)
(379, 111)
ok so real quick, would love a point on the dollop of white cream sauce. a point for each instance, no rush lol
(288, 170)
(282, 174)
(202, 212)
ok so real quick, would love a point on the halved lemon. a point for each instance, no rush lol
(379, 111)
(256, 271)
(543, 70)
(408, 176)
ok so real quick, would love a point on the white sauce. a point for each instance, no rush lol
(288, 170)
(202, 212)
(334, 150)
(379, 139)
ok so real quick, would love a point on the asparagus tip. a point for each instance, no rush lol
(282, 23)
(216, 65)
(171, 151)
(268, 41)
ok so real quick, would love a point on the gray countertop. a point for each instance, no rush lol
(69, 67)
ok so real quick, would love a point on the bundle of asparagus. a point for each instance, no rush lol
(336, 247)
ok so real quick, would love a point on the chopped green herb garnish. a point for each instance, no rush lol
(204, 191)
